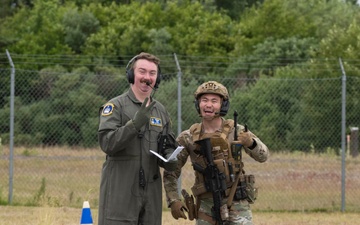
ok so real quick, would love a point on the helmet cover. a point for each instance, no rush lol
(212, 87)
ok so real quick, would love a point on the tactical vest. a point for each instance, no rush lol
(222, 155)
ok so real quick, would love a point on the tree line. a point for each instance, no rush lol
(243, 41)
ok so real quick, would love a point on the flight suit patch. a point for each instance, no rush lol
(155, 122)
(107, 109)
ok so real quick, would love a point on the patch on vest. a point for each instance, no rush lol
(108, 109)
(155, 122)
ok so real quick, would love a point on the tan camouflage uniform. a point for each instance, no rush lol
(239, 210)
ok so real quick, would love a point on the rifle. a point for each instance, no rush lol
(237, 155)
(215, 181)
(236, 148)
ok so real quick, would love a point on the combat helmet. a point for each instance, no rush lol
(213, 87)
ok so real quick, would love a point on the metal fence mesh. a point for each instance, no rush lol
(57, 160)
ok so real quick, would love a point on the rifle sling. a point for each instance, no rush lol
(232, 191)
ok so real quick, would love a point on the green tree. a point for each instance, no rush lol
(36, 31)
(5, 77)
(341, 42)
(66, 117)
(157, 29)
(268, 108)
(204, 36)
(8, 8)
(272, 54)
(77, 32)
(125, 29)
(316, 109)
(317, 106)
(284, 19)
(235, 8)
(160, 39)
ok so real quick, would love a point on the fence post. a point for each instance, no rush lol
(354, 141)
(179, 110)
(343, 133)
(11, 155)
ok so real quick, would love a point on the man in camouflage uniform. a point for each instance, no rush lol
(130, 125)
(212, 103)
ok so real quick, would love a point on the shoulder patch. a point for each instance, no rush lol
(155, 121)
(107, 109)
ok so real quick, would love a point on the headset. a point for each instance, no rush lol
(130, 72)
(225, 105)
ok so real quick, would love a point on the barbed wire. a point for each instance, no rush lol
(168, 61)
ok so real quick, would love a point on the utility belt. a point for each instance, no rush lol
(245, 189)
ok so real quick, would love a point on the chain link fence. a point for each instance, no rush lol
(57, 161)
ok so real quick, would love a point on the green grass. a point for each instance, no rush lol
(294, 182)
(19, 215)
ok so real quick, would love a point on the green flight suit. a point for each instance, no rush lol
(122, 200)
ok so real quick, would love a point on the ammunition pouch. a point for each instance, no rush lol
(198, 189)
(246, 189)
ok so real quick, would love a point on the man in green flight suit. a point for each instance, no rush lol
(222, 190)
(130, 126)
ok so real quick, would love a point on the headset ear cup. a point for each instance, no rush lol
(158, 78)
(130, 75)
(130, 70)
(224, 107)
(197, 107)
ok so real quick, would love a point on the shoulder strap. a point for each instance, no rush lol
(228, 126)
(195, 130)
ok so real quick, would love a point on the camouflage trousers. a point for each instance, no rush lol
(239, 212)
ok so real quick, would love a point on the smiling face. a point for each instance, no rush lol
(210, 105)
(144, 72)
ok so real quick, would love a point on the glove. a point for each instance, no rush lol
(245, 138)
(177, 208)
(143, 115)
(172, 164)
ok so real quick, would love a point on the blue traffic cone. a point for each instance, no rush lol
(86, 217)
